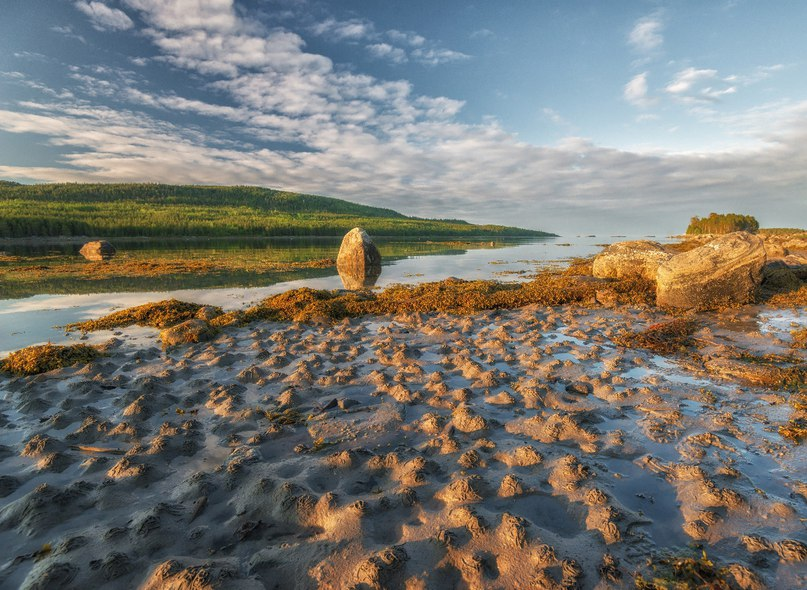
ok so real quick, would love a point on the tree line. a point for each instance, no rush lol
(133, 210)
(722, 223)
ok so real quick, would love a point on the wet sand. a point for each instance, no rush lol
(508, 449)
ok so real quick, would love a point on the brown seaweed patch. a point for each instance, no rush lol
(47, 357)
(799, 338)
(792, 298)
(162, 314)
(451, 295)
(795, 430)
(684, 571)
(663, 337)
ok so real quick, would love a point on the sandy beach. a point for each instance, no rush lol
(505, 449)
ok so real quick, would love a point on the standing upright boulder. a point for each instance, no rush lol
(100, 250)
(625, 259)
(724, 271)
(358, 261)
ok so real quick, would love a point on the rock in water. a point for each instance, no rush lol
(358, 262)
(624, 259)
(188, 332)
(101, 250)
(725, 271)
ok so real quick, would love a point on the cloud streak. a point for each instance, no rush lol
(636, 92)
(104, 18)
(646, 34)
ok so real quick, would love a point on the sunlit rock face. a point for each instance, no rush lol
(724, 271)
(95, 251)
(358, 262)
(624, 259)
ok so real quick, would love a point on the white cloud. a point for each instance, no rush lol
(388, 52)
(646, 34)
(437, 56)
(636, 91)
(105, 18)
(182, 15)
(406, 38)
(686, 79)
(337, 30)
(67, 31)
(694, 85)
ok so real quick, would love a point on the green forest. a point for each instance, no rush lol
(161, 210)
(722, 223)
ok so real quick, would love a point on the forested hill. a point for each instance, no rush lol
(130, 210)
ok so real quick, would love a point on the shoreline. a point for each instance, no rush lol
(451, 238)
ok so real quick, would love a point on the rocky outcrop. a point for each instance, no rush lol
(724, 271)
(624, 259)
(95, 251)
(188, 332)
(358, 262)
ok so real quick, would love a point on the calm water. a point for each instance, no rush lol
(33, 319)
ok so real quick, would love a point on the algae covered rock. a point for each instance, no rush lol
(626, 259)
(99, 250)
(358, 261)
(724, 271)
(188, 332)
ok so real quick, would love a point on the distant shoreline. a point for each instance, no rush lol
(54, 240)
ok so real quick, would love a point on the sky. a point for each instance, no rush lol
(572, 116)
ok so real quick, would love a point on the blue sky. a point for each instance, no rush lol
(571, 116)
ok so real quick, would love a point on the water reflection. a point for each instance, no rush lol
(357, 282)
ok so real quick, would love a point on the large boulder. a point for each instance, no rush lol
(100, 250)
(358, 261)
(724, 271)
(188, 332)
(625, 259)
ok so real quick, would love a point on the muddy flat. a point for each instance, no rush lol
(506, 449)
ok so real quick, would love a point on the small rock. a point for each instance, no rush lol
(95, 251)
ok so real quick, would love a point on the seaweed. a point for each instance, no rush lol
(162, 314)
(450, 295)
(684, 572)
(795, 430)
(664, 337)
(799, 338)
(789, 298)
(47, 357)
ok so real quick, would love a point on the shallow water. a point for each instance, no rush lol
(32, 320)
